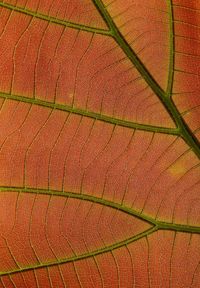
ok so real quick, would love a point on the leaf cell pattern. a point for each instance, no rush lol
(99, 144)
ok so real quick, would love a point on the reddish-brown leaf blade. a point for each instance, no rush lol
(78, 69)
(154, 173)
(158, 261)
(64, 228)
(187, 62)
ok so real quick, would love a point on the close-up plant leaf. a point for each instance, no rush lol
(99, 144)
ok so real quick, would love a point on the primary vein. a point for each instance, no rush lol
(185, 131)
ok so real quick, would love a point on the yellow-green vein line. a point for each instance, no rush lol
(83, 256)
(56, 20)
(90, 114)
(172, 50)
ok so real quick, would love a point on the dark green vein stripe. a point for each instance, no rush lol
(56, 20)
(178, 227)
(83, 256)
(130, 211)
(90, 114)
(172, 50)
(185, 131)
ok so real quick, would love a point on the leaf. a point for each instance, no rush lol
(99, 144)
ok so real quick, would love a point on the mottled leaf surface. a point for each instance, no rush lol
(99, 144)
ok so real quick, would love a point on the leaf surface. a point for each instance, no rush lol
(187, 65)
(99, 144)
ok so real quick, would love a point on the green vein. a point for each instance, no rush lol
(56, 20)
(132, 212)
(81, 197)
(90, 114)
(83, 256)
(178, 227)
(169, 105)
(172, 49)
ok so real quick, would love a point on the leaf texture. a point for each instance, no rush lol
(145, 26)
(99, 144)
(77, 11)
(187, 64)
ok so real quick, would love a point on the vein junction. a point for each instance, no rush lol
(164, 97)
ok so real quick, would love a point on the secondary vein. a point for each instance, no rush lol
(55, 20)
(172, 50)
(90, 114)
(155, 226)
(82, 256)
(132, 212)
